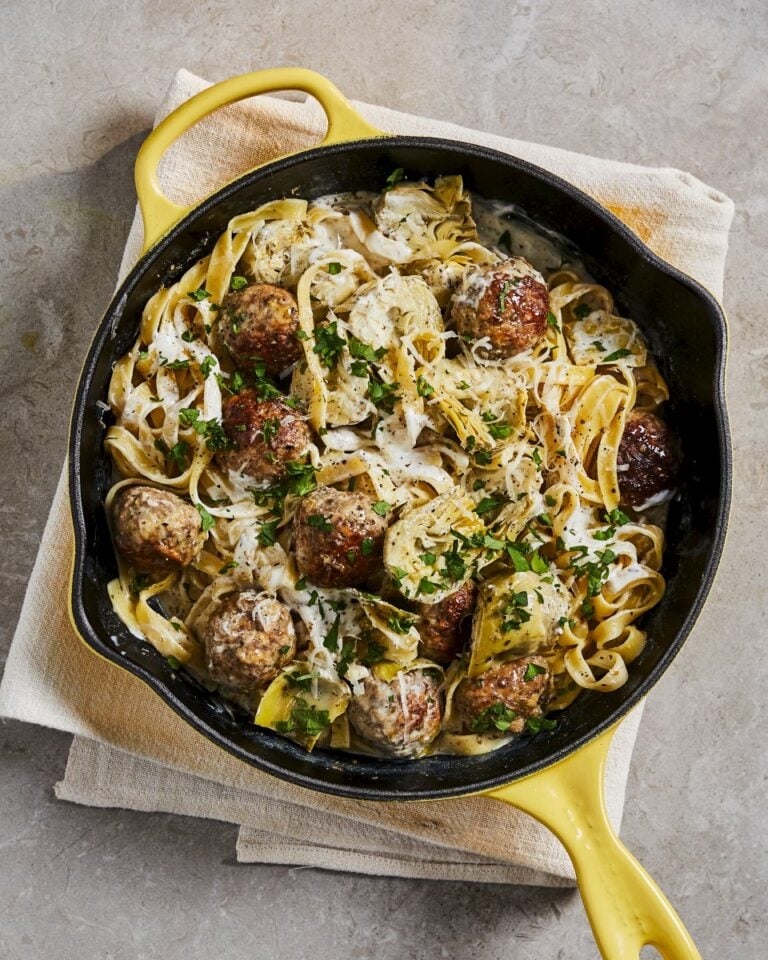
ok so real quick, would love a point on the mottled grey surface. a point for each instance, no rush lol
(675, 83)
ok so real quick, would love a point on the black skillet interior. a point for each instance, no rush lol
(687, 332)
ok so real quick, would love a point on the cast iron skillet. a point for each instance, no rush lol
(556, 776)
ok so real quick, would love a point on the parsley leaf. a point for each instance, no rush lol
(320, 522)
(395, 177)
(328, 343)
(206, 520)
(616, 355)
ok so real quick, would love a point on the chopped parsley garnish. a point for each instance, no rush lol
(189, 336)
(424, 388)
(367, 547)
(268, 532)
(177, 454)
(384, 395)
(382, 507)
(428, 558)
(616, 355)
(400, 623)
(498, 715)
(305, 720)
(455, 566)
(301, 680)
(233, 385)
(514, 611)
(552, 321)
(362, 351)
(320, 522)
(328, 343)
(426, 586)
(503, 295)
(237, 283)
(331, 641)
(348, 649)
(207, 365)
(582, 311)
(206, 520)
(301, 583)
(533, 670)
(483, 457)
(374, 653)
(200, 294)
(138, 583)
(537, 724)
(212, 430)
(536, 457)
(395, 177)
(228, 566)
(269, 429)
(500, 431)
(488, 505)
(174, 364)
(173, 663)
(334, 268)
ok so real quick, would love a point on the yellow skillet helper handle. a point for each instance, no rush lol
(158, 212)
(626, 909)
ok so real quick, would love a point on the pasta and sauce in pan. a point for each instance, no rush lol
(386, 470)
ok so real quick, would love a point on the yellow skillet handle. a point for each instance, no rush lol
(158, 212)
(626, 909)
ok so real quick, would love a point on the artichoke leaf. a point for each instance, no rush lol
(302, 705)
(517, 615)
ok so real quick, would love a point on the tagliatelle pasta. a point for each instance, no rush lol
(501, 471)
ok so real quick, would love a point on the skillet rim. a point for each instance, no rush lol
(89, 635)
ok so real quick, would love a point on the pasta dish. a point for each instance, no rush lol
(390, 473)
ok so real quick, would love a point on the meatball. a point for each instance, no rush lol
(266, 435)
(648, 460)
(261, 321)
(506, 302)
(338, 537)
(155, 530)
(401, 717)
(502, 695)
(248, 640)
(444, 627)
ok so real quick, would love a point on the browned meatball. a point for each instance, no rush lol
(648, 460)
(261, 321)
(501, 699)
(266, 436)
(338, 537)
(400, 717)
(155, 530)
(506, 302)
(444, 627)
(248, 640)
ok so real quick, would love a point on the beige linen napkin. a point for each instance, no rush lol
(131, 750)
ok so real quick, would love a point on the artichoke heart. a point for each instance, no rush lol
(427, 551)
(302, 705)
(431, 220)
(604, 338)
(392, 629)
(517, 615)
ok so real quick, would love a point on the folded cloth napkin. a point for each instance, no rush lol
(130, 750)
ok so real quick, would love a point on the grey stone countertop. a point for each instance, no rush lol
(680, 83)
